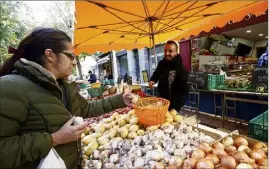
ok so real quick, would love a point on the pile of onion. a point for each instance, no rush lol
(229, 154)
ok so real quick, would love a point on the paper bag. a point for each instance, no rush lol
(52, 160)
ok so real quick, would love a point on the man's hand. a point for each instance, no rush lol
(151, 83)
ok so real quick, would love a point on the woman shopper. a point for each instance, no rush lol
(37, 107)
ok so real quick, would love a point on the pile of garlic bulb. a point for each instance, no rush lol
(120, 142)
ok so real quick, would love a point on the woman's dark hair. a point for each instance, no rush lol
(33, 47)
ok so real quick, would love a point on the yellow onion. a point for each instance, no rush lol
(219, 152)
(261, 152)
(198, 154)
(158, 165)
(244, 166)
(228, 162)
(230, 149)
(254, 165)
(263, 162)
(227, 141)
(244, 148)
(218, 145)
(171, 167)
(241, 157)
(260, 145)
(204, 163)
(256, 156)
(213, 158)
(205, 147)
(190, 163)
(240, 141)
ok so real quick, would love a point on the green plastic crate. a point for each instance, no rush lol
(213, 81)
(96, 92)
(258, 127)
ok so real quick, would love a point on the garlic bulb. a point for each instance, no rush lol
(78, 120)
(157, 155)
(139, 162)
(114, 158)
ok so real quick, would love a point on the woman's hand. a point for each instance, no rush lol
(68, 133)
(127, 99)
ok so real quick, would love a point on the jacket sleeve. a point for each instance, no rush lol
(15, 149)
(184, 88)
(99, 107)
(156, 74)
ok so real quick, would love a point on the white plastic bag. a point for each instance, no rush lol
(52, 160)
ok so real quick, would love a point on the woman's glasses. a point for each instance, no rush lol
(72, 56)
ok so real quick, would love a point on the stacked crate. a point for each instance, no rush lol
(213, 81)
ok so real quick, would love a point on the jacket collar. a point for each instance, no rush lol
(39, 75)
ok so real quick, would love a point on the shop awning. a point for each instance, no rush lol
(257, 9)
(115, 25)
(103, 60)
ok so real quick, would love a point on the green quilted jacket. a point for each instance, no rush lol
(32, 106)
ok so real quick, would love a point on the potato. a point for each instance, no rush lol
(169, 119)
(86, 132)
(116, 127)
(112, 133)
(134, 120)
(103, 140)
(165, 124)
(87, 139)
(82, 136)
(114, 123)
(140, 132)
(152, 128)
(133, 128)
(132, 135)
(173, 112)
(121, 122)
(127, 126)
(93, 145)
(168, 115)
(178, 118)
(123, 132)
(108, 126)
(131, 112)
(100, 128)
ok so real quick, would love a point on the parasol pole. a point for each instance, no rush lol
(153, 41)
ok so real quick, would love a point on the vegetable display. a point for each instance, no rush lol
(119, 141)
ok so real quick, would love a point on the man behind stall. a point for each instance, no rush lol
(172, 77)
(92, 77)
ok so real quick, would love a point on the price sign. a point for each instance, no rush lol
(198, 78)
(260, 76)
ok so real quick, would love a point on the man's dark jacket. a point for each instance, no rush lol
(179, 87)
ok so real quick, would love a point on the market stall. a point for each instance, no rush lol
(224, 67)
